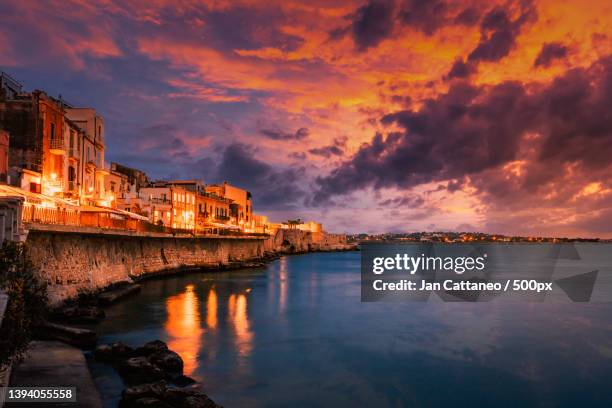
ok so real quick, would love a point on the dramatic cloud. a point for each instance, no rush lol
(300, 134)
(516, 147)
(409, 201)
(373, 23)
(461, 69)
(377, 20)
(335, 149)
(276, 188)
(488, 128)
(549, 53)
(498, 33)
(429, 16)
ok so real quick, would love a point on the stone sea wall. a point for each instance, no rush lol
(74, 262)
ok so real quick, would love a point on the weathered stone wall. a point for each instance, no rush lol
(73, 262)
(288, 241)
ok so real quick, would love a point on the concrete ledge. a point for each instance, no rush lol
(72, 229)
(55, 364)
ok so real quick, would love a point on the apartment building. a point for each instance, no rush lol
(93, 169)
(241, 207)
(169, 205)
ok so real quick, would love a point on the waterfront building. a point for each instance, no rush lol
(260, 223)
(4, 150)
(94, 171)
(125, 185)
(213, 212)
(241, 208)
(308, 226)
(169, 205)
(74, 163)
(56, 149)
(35, 123)
(116, 184)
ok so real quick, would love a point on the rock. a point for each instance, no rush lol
(138, 370)
(78, 314)
(149, 402)
(151, 347)
(152, 390)
(114, 295)
(183, 380)
(168, 361)
(188, 398)
(72, 335)
(104, 352)
(198, 401)
(121, 350)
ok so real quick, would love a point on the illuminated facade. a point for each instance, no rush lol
(241, 208)
(93, 168)
(58, 150)
(170, 205)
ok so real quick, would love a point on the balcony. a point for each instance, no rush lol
(91, 166)
(155, 200)
(56, 146)
(103, 170)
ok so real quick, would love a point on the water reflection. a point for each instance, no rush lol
(211, 309)
(183, 327)
(271, 338)
(238, 316)
(283, 283)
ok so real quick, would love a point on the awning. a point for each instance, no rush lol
(34, 198)
(90, 208)
(132, 215)
(218, 225)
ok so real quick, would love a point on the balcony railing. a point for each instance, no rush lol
(44, 215)
(156, 200)
(57, 146)
(57, 184)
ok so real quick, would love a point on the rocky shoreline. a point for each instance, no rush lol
(154, 376)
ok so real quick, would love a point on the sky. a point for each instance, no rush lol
(369, 116)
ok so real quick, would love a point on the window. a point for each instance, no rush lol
(35, 188)
(52, 130)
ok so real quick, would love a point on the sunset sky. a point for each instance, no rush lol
(368, 116)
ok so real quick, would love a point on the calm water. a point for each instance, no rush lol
(296, 334)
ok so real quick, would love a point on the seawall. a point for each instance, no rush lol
(74, 262)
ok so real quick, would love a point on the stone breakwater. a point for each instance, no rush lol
(73, 262)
